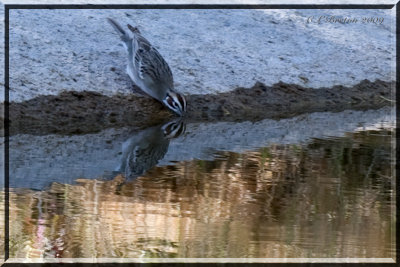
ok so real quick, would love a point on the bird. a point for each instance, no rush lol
(145, 149)
(148, 69)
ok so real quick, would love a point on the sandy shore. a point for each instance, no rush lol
(209, 51)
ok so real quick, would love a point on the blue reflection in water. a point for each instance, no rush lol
(144, 150)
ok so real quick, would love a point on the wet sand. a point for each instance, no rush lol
(88, 112)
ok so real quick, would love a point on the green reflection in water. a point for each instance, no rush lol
(328, 198)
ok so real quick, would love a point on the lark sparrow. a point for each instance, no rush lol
(145, 149)
(148, 69)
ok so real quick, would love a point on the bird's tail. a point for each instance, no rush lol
(133, 29)
(125, 37)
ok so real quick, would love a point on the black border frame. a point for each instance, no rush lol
(8, 7)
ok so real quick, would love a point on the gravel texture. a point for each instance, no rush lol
(209, 51)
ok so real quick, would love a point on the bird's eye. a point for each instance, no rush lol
(170, 101)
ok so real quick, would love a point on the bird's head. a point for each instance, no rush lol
(175, 102)
(174, 129)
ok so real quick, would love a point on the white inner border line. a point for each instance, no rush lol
(202, 260)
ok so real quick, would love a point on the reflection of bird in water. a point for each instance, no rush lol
(142, 151)
(148, 69)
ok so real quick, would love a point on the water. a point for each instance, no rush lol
(162, 196)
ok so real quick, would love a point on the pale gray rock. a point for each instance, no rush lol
(209, 51)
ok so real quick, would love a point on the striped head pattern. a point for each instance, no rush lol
(174, 129)
(175, 102)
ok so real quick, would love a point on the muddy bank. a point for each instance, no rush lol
(88, 112)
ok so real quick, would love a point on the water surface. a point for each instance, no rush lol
(328, 197)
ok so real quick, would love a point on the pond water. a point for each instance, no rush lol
(321, 196)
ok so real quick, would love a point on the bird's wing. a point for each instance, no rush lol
(142, 159)
(149, 63)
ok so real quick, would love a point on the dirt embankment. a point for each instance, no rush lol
(88, 112)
